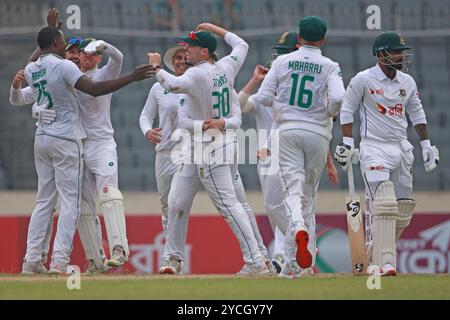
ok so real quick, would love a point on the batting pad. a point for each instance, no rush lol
(405, 212)
(111, 202)
(91, 238)
(385, 213)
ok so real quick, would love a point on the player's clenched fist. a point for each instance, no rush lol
(430, 155)
(19, 78)
(154, 58)
(260, 73)
(154, 135)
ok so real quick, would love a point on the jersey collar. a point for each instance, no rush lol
(310, 49)
(379, 74)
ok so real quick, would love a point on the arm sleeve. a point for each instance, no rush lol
(245, 103)
(352, 100)
(149, 112)
(182, 84)
(267, 91)
(235, 119)
(335, 92)
(236, 58)
(415, 109)
(114, 66)
(184, 118)
(21, 97)
(70, 72)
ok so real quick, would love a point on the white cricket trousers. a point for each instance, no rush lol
(165, 169)
(59, 166)
(303, 156)
(381, 161)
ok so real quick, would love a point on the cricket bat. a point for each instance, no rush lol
(355, 223)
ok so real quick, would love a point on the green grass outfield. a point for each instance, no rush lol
(319, 286)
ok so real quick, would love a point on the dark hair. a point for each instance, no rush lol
(213, 56)
(46, 36)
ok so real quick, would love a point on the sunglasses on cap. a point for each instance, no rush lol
(75, 40)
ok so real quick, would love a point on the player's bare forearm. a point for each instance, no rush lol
(347, 130)
(99, 88)
(212, 28)
(422, 131)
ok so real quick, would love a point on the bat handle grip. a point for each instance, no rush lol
(351, 182)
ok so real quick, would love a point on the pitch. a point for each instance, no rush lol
(223, 287)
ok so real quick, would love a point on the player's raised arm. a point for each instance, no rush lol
(99, 88)
(258, 76)
(17, 95)
(114, 65)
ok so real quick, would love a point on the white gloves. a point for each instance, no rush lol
(42, 113)
(344, 151)
(99, 46)
(430, 155)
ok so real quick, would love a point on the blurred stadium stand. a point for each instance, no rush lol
(131, 26)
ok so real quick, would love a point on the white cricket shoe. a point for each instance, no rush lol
(308, 272)
(290, 270)
(253, 269)
(172, 266)
(61, 269)
(118, 258)
(388, 270)
(277, 263)
(30, 269)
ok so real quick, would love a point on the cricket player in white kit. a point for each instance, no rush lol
(305, 90)
(58, 148)
(164, 104)
(187, 182)
(209, 86)
(384, 94)
(271, 184)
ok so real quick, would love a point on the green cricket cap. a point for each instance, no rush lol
(202, 39)
(312, 28)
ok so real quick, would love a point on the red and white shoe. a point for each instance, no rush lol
(388, 270)
(303, 256)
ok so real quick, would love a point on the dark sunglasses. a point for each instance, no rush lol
(75, 40)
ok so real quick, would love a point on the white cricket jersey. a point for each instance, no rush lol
(383, 104)
(160, 102)
(96, 111)
(53, 79)
(305, 90)
(209, 85)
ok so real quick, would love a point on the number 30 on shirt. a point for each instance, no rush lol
(223, 103)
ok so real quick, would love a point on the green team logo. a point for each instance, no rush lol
(235, 58)
(166, 91)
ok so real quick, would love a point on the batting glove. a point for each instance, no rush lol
(344, 151)
(430, 155)
(43, 114)
(98, 46)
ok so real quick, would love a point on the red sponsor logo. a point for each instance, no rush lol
(396, 110)
(380, 167)
(105, 189)
(376, 91)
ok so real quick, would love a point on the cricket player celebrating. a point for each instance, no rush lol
(384, 94)
(305, 90)
(165, 104)
(100, 178)
(186, 184)
(209, 85)
(58, 148)
(271, 184)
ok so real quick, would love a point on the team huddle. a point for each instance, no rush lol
(300, 93)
